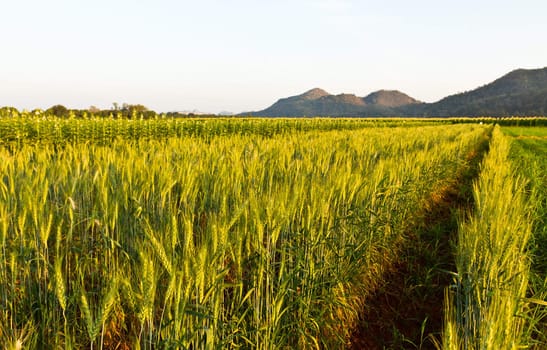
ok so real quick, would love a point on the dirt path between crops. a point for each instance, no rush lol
(407, 311)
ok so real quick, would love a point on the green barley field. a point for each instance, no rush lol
(529, 154)
(265, 233)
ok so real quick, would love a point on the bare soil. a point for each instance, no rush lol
(407, 310)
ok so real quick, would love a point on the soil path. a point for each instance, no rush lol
(407, 311)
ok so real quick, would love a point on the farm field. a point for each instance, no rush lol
(262, 234)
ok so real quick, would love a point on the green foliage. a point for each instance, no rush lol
(9, 112)
(58, 111)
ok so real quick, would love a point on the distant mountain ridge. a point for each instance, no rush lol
(318, 102)
(520, 92)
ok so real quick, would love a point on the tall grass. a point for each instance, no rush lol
(208, 242)
(485, 306)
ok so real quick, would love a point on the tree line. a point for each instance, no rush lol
(125, 111)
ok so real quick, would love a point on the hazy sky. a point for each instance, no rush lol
(241, 55)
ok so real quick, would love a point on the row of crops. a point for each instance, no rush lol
(48, 129)
(529, 157)
(487, 306)
(255, 234)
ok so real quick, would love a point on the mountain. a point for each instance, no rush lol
(389, 98)
(313, 94)
(318, 102)
(520, 92)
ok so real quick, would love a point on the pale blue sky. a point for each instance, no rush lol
(241, 55)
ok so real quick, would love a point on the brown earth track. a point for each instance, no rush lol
(407, 310)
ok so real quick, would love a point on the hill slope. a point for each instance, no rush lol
(520, 92)
(389, 98)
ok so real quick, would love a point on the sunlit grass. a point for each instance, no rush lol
(256, 239)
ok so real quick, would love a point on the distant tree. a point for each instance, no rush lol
(139, 108)
(37, 112)
(8, 112)
(58, 111)
(134, 108)
(93, 109)
(135, 111)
